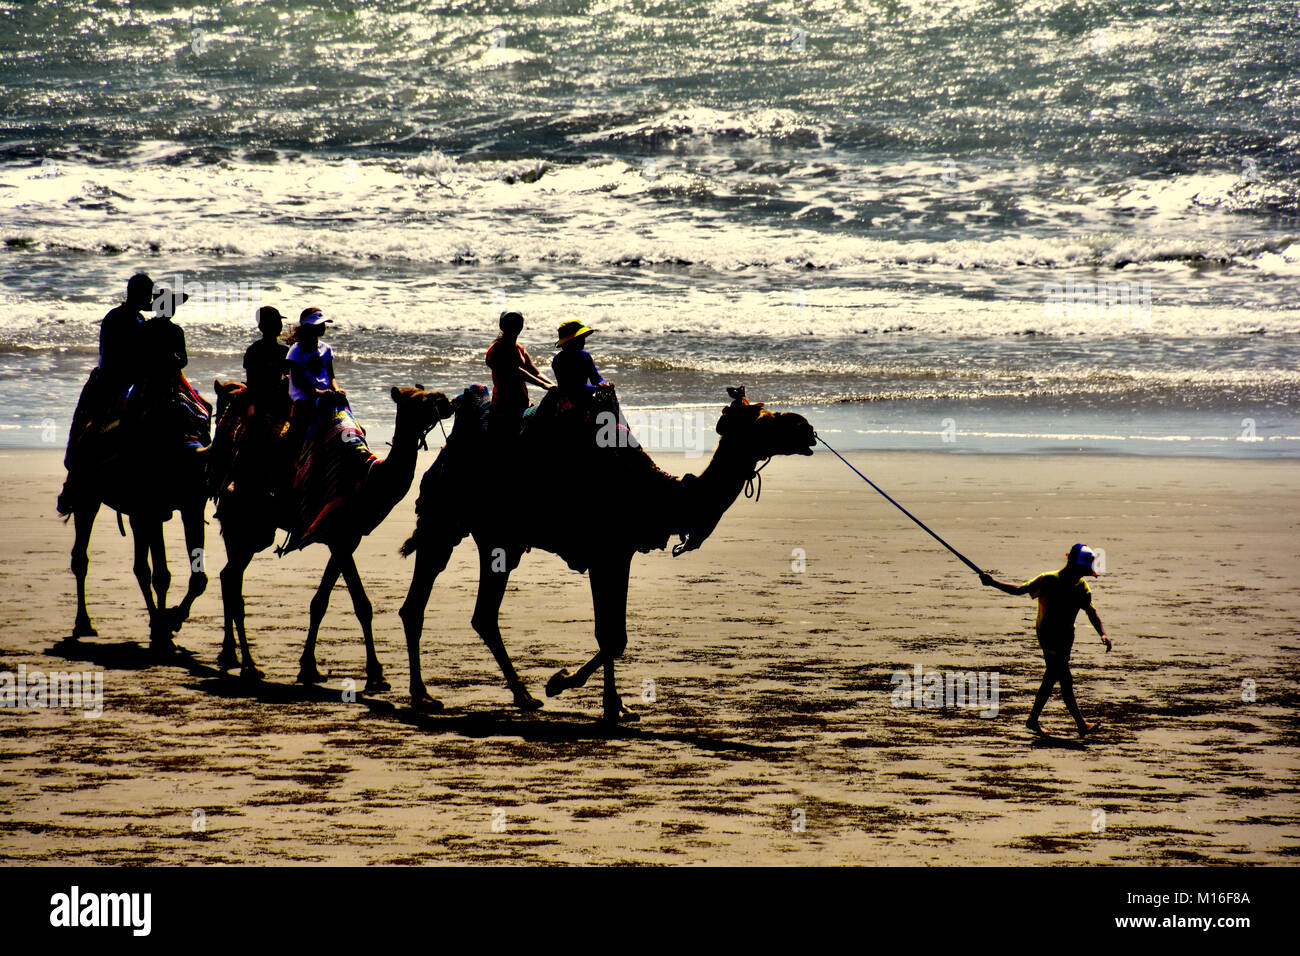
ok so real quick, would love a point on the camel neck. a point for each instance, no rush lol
(399, 464)
(715, 490)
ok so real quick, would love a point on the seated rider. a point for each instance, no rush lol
(266, 364)
(119, 354)
(512, 371)
(575, 370)
(162, 354)
(311, 375)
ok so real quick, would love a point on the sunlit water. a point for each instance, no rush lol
(961, 226)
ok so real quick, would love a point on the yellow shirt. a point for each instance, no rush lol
(1059, 603)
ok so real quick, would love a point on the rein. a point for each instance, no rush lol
(753, 489)
(754, 483)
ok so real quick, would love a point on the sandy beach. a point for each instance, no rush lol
(771, 737)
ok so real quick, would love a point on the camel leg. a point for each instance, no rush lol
(160, 635)
(486, 621)
(142, 539)
(193, 519)
(232, 601)
(609, 601)
(83, 520)
(307, 670)
(566, 679)
(375, 683)
(430, 560)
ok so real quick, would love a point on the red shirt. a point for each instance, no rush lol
(509, 387)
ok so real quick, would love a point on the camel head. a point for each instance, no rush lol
(420, 410)
(226, 392)
(761, 433)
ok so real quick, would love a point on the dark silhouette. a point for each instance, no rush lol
(1061, 595)
(512, 372)
(266, 365)
(252, 504)
(639, 507)
(574, 368)
(137, 444)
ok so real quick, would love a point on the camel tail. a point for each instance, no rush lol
(409, 546)
(121, 527)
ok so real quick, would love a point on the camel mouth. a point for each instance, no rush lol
(807, 439)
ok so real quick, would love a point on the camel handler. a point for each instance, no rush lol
(1061, 595)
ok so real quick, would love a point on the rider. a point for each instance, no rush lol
(119, 355)
(119, 336)
(512, 371)
(575, 370)
(311, 374)
(266, 362)
(162, 354)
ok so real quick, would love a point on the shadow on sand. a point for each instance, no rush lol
(544, 726)
(1052, 742)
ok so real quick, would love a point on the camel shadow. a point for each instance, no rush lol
(556, 726)
(1051, 742)
(540, 727)
(120, 655)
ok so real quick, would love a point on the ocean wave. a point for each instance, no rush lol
(685, 127)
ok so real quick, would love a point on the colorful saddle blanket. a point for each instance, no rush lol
(331, 469)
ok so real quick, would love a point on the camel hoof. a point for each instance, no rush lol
(251, 671)
(227, 659)
(526, 701)
(559, 683)
(619, 714)
(83, 628)
(310, 675)
(424, 703)
(377, 685)
(161, 646)
(173, 618)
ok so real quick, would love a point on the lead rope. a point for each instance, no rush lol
(965, 560)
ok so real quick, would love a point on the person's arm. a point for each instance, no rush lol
(536, 379)
(990, 581)
(182, 356)
(530, 373)
(1097, 626)
(329, 374)
(593, 374)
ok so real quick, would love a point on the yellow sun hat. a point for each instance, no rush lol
(571, 330)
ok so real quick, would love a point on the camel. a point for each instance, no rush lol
(635, 507)
(135, 481)
(250, 516)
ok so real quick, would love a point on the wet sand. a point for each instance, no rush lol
(771, 738)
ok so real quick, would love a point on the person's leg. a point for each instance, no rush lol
(1067, 694)
(1044, 691)
(88, 403)
(1050, 675)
